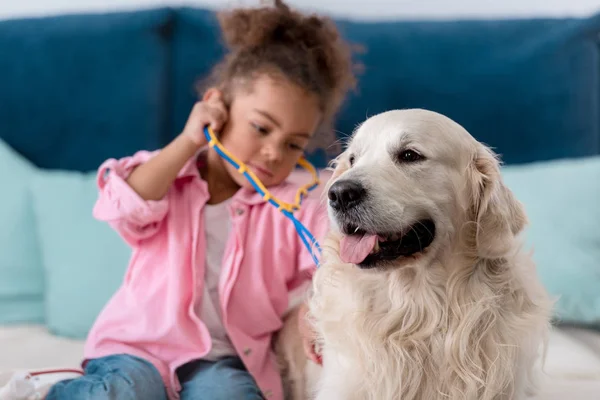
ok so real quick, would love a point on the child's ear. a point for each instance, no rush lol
(212, 93)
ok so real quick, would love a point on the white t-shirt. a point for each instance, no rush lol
(217, 224)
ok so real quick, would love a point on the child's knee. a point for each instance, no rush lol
(83, 388)
(107, 379)
(107, 388)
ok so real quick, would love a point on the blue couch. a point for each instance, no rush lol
(78, 89)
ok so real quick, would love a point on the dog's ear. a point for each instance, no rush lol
(498, 215)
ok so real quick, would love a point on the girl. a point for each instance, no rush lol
(214, 267)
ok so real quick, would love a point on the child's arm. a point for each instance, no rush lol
(309, 337)
(153, 179)
(122, 207)
(132, 196)
(313, 215)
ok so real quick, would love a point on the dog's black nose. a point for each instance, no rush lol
(346, 194)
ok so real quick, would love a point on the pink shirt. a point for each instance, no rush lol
(152, 314)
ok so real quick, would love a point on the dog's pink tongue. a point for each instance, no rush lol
(355, 248)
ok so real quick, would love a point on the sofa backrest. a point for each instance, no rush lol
(77, 89)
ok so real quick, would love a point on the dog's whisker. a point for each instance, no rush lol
(339, 142)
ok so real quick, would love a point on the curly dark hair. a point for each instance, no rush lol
(306, 49)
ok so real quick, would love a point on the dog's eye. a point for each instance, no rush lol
(351, 159)
(409, 156)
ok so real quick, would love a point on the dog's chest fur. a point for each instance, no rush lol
(420, 332)
(371, 327)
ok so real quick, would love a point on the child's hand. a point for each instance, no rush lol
(211, 111)
(308, 336)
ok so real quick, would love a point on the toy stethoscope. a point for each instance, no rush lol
(286, 208)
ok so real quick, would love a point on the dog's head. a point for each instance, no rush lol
(410, 181)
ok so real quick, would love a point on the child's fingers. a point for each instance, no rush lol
(217, 107)
(217, 97)
(216, 122)
(309, 349)
(217, 117)
(220, 108)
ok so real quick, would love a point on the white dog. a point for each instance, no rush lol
(424, 291)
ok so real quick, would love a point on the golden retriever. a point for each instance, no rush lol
(424, 290)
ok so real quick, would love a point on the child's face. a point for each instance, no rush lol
(269, 126)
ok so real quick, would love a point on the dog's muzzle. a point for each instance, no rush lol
(366, 244)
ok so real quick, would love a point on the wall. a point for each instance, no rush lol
(364, 9)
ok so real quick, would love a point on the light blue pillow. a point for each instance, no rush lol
(562, 199)
(21, 274)
(84, 259)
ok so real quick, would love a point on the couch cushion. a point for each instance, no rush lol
(529, 88)
(21, 274)
(78, 89)
(562, 202)
(84, 259)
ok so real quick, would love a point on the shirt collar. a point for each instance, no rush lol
(243, 195)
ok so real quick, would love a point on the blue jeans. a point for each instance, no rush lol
(125, 377)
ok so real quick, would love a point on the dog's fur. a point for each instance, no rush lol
(466, 319)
